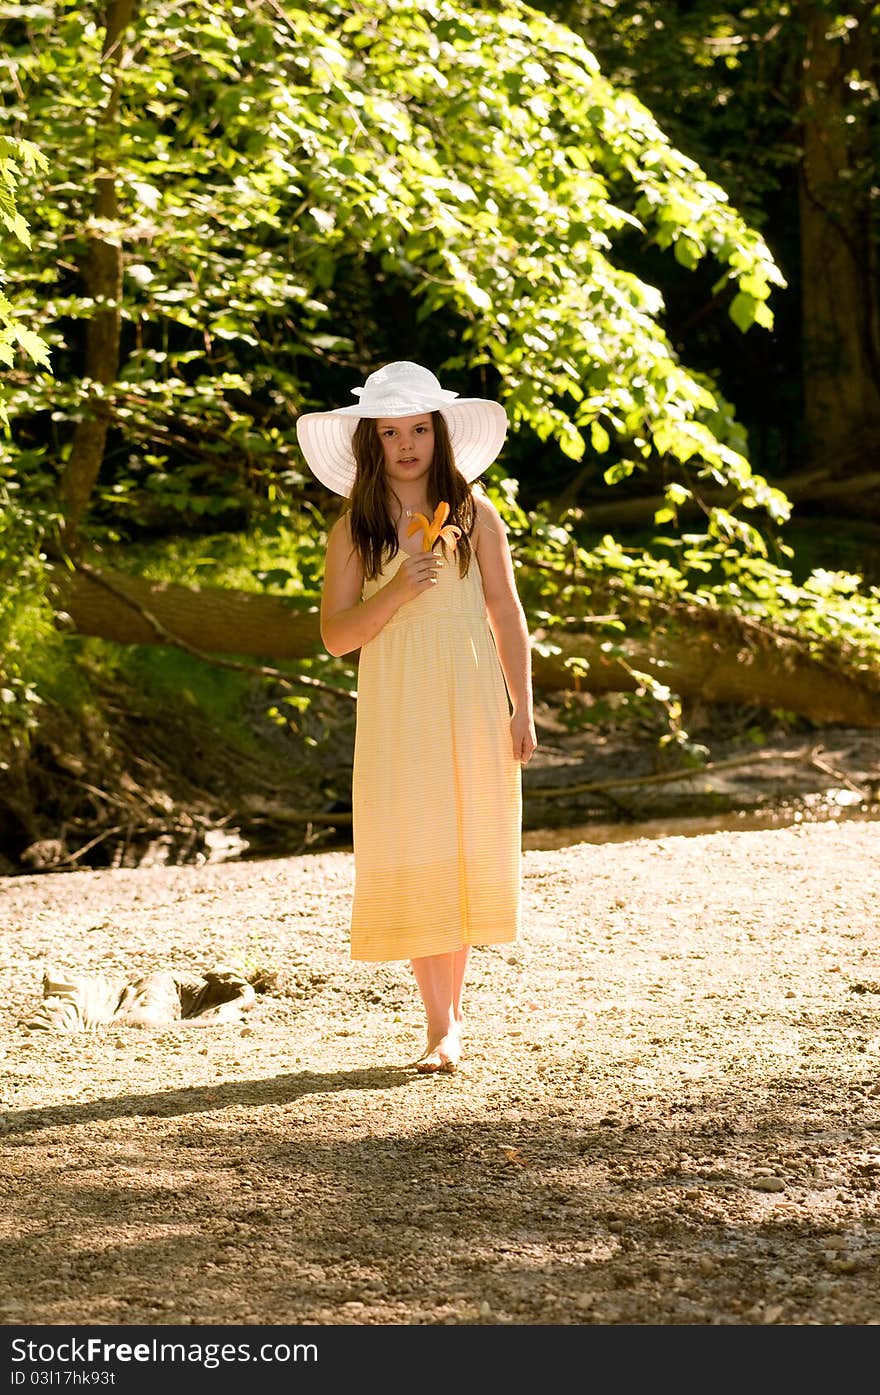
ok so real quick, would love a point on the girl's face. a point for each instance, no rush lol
(407, 445)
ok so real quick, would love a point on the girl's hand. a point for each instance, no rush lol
(416, 574)
(522, 732)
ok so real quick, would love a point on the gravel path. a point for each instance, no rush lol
(669, 1112)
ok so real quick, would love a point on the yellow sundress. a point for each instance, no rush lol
(436, 791)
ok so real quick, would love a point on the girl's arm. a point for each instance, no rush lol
(507, 621)
(347, 622)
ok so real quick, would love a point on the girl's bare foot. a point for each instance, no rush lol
(443, 1055)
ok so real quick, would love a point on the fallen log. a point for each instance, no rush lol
(810, 486)
(725, 665)
(716, 658)
(132, 610)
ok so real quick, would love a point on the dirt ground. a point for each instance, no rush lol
(669, 1111)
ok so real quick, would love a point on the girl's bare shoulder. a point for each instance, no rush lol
(341, 553)
(341, 528)
(486, 515)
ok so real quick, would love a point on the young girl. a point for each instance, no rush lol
(444, 708)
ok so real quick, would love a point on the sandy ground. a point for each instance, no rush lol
(669, 1112)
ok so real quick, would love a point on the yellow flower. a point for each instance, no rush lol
(434, 529)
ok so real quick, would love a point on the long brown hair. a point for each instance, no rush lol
(373, 530)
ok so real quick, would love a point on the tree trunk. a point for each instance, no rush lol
(719, 659)
(101, 269)
(839, 261)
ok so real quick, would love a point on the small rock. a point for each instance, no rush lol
(47, 852)
(768, 1184)
(845, 1265)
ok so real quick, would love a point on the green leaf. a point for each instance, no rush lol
(743, 309)
(686, 252)
(35, 347)
(599, 437)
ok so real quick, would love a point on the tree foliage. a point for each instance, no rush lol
(780, 103)
(270, 158)
(18, 158)
(303, 191)
(23, 614)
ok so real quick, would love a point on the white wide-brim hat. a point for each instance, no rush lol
(477, 426)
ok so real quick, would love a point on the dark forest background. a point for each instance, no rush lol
(650, 229)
